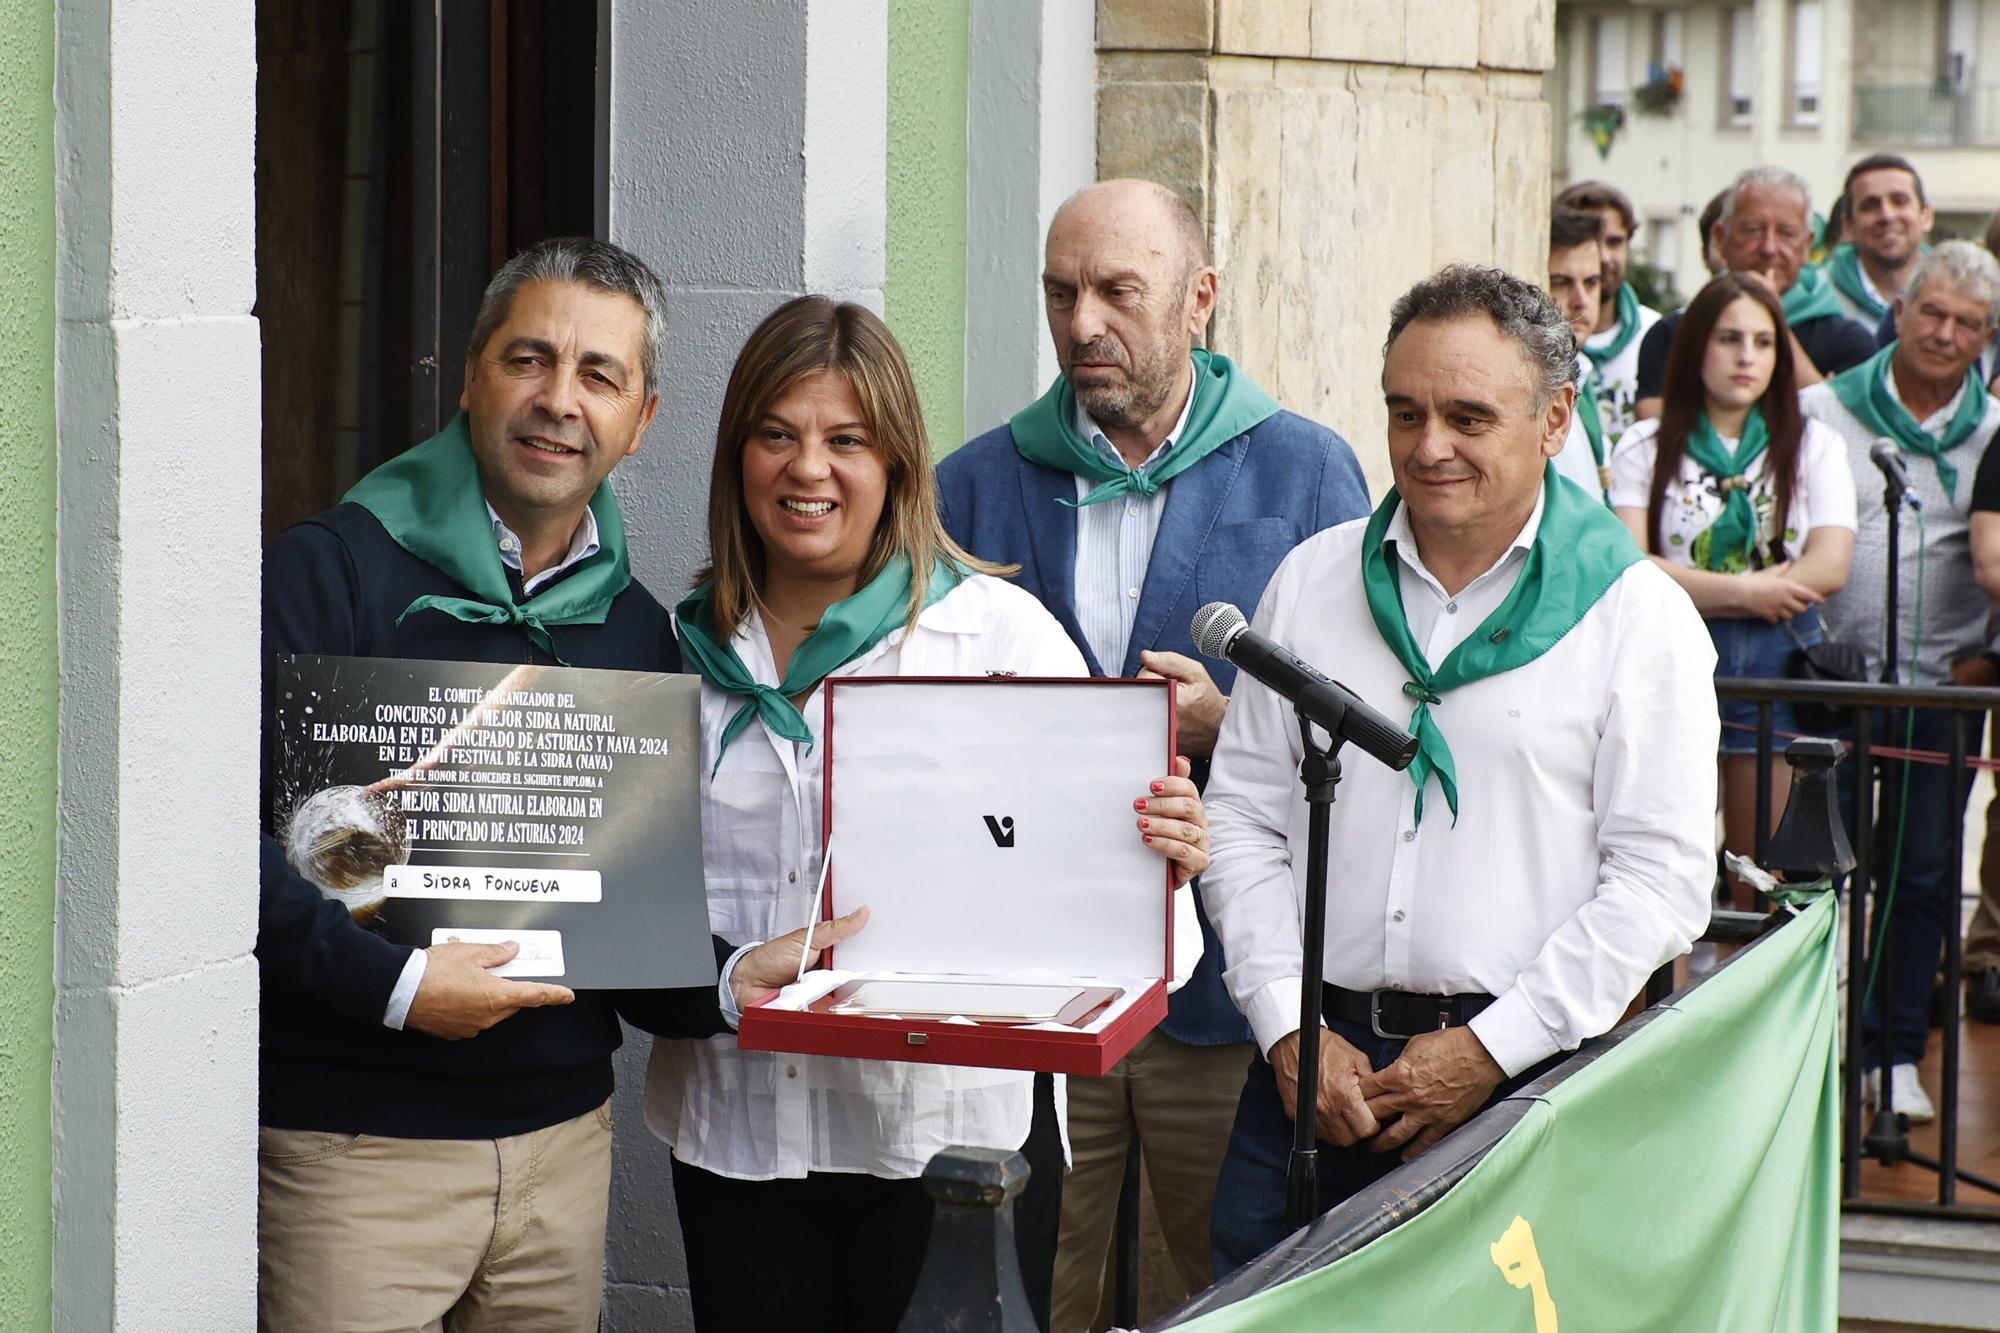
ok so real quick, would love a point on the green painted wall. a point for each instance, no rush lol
(924, 297)
(27, 653)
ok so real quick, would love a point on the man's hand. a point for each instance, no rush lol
(1979, 672)
(1435, 1085)
(460, 997)
(1198, 705)
(1341, 1116)
(775, 964)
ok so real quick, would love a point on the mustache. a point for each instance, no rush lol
(1099, 349)
(576, 437)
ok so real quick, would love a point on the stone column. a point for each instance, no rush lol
(157, 550)
(1338, 150)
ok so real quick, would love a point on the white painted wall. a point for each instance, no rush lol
(159, 433)
(1030, 143)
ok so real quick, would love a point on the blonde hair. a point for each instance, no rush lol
(805, 336)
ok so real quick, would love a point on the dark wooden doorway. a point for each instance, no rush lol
(404, 151)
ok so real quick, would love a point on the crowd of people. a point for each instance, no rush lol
(435, 1139)
(1745, 469)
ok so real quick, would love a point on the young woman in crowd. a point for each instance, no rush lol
(796, 1176)
(1748, 505)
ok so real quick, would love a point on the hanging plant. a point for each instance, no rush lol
(1661, 92)
(1602, 124)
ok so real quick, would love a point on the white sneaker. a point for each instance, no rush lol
(1908, 1093)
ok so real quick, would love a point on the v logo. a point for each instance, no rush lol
(1001, 829)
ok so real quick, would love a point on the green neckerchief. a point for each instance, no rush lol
(1734, 531)
(430, 500)
(1866, 391)
(1579, 551)
(1844, 270)
(1591, 415)
(849, 628)
(1225, 405)
(1628, 329)
(1811, 297)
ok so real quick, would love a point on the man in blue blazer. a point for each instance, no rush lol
(1152, 478)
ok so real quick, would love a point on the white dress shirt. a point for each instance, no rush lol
(583, 544)
(1114, 545)
(759, 1115)
(1582, 855)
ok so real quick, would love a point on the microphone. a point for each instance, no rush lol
(1888, 460)
(1221, 631)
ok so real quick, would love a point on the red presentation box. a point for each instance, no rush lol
(987, 822)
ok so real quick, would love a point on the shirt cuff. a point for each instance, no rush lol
(1512, 1033)
(732, 1013)
(1274, 1011)
(405, 993)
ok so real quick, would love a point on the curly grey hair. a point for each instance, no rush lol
(1765, 178)
(598, 264)
(1966, 267)
(1520, 309)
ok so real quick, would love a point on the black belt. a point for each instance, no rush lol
(1400, 1015)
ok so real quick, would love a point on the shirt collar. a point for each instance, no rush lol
(1090, 430)
(1405, 540)
(583, 544)
(1937, 422)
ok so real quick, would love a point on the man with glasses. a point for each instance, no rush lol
(1765, 230)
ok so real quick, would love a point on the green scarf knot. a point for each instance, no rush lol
(1579, 551)
(430, 501)
(1843, 269)
(1811, 297)
(1226, 404)
(1867, 391)
(849, 628)
(1732, 538)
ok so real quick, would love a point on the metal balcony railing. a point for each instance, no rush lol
(1928, 114)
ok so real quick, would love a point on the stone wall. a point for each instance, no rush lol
(1338, 150)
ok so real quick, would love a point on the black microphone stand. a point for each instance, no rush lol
(1319, 771)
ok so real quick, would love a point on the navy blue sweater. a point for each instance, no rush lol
(335, 585)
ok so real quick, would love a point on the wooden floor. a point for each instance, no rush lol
(1978, 1124)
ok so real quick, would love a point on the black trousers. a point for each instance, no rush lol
(833, 1253)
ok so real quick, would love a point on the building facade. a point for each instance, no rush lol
(1681, 97)
(189, 317)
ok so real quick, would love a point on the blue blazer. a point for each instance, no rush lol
(1228, 521)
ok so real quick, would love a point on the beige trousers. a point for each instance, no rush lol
(1181, 1102)
(362, 1234)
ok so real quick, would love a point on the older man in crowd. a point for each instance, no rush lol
(1889, 220)
(1152, 477)
(1922, 393)
(1491, 913)
(1622, 321)
(435, 1149)
(1765, 229)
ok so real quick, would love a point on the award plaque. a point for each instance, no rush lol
(555, 807)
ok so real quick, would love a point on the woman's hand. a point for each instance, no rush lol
(1174, 824)
(1773, 597)
(775, 963)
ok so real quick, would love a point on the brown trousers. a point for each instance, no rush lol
(1181, 1102)
(363, 1234)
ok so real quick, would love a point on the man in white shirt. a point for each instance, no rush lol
(1889, 220)
(1622, 320)
(1551, 846)
(1923, 392)
(1576, 276)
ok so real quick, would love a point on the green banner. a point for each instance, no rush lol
(1688, 1179)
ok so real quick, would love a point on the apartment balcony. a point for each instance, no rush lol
(1928, 115)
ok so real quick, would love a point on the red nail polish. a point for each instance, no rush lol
(1159, 787)
(1139, 804)
(1149, 837)
(1145, 823)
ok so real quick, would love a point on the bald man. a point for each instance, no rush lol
(1152, 477)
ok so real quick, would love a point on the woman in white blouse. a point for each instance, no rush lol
(1748, 504)
(795, 1176)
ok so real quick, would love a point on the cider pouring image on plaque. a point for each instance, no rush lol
(553, 806)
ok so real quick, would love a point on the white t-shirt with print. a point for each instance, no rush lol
(1823, 496)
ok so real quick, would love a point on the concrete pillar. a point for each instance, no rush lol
(158, 419)
(1338, 150)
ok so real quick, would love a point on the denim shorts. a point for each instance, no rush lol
(1760, 651)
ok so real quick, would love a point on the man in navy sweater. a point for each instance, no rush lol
(1153, 477)
(435, 1142)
